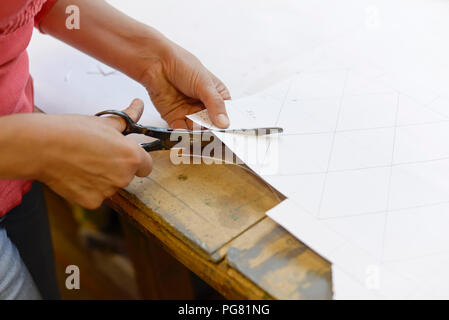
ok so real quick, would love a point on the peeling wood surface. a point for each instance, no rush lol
(230, 283)
(212, 219)
(280, 264)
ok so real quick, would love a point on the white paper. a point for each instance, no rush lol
(366, 172)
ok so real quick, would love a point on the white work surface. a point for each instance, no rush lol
(361, 89)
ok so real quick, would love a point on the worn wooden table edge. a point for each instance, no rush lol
(149, 213)
(218, 274)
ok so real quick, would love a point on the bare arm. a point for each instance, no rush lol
(107, 35)
(19, 146)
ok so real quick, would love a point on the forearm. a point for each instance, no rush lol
(107, 35)
(21, 145)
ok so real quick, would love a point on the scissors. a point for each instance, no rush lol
(168, 138)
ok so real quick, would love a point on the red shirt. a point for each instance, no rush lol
(17, 18)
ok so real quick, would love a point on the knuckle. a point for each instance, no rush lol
(94, 202)
(134, 160)
(132, 156)
(109, 192)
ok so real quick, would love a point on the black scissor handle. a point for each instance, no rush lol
(131, 126)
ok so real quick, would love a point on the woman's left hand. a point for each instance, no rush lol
(179, 85)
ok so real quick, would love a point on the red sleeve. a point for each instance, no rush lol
(43, 12)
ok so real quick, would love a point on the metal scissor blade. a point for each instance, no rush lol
(250, 131)
(168, 133)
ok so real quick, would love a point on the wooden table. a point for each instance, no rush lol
(211, 218)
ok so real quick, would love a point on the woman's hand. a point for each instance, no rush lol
(179, 85)
(85, 159)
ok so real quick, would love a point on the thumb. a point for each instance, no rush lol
(134, 110)
(213, 101)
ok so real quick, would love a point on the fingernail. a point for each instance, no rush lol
(222, 120)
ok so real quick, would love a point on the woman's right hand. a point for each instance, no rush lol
(86, 159)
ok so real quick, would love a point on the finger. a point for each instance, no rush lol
(134, 110)
(213, 101)
(109, 192)
(92, 201)
(146, 164)
(221, 87)
(177, 117)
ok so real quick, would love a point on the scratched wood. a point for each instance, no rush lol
(205, 205)
(280, 264)
(229, 282)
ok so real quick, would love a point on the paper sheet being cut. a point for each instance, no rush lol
(364, 162)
